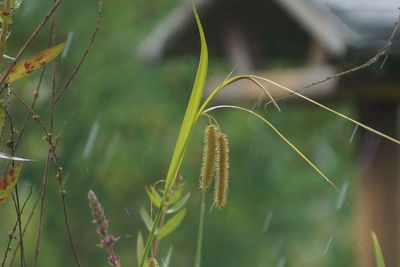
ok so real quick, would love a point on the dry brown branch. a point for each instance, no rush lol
(366, 64)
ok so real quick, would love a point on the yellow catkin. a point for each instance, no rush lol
(153, 262)
(210, 151)
(222, 172)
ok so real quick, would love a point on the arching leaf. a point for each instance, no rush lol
(28, 66)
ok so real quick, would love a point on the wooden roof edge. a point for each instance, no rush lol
(319, 22)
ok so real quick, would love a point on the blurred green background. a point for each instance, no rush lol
(279, 213)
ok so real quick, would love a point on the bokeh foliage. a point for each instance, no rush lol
(137, 109)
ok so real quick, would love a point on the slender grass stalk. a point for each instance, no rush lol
(330, 110)
(153, 231)
(282, 137)
(251, 77)
(380, 261)
(194, 111)
(199, 245)
(188, 123)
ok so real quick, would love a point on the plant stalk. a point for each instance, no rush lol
(199, 245)
(4, 32)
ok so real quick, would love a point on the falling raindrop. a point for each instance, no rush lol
(281, 262)
(127, 212)
(342, 196)
(328, 244)
(251, 148)
(384, 61)
(111, 147)
(211, 208)
(68, 45)
(267, 221)
(353, 134)
(258, 102)
(91, 139)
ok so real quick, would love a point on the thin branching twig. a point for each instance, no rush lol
(88, 48)
(369, 62)
(38, 28)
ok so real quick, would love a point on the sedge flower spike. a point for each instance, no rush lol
(222, 172)
(210, 154)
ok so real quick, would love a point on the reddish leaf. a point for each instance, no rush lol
(8, 181)
(5, 16)
(28, 66)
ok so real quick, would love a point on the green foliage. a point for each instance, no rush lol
(134, 110)
(178, 204)
(154, 196)
(171, 224)
(173, 206)
(380, 262)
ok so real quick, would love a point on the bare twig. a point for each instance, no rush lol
(25, 227)
(19, 223)
(52, 147)
(12, 232)
(29, 40)
(43, 188)
(48, 160)
(89, 47)
(16, 195)
(366, 64)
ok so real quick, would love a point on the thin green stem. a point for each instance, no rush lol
(187, 126)
(199, 246)
(153, 231)
(252, 77)
(4, 32)
(282, 137)
(329, 109)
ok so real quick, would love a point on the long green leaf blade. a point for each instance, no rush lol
(188, 123)
(380, 262)
(192, 108)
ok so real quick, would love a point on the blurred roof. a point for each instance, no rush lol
(360, 24)
(338, 24)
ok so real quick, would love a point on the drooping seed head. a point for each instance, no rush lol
(222, 171)
(210, 152)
